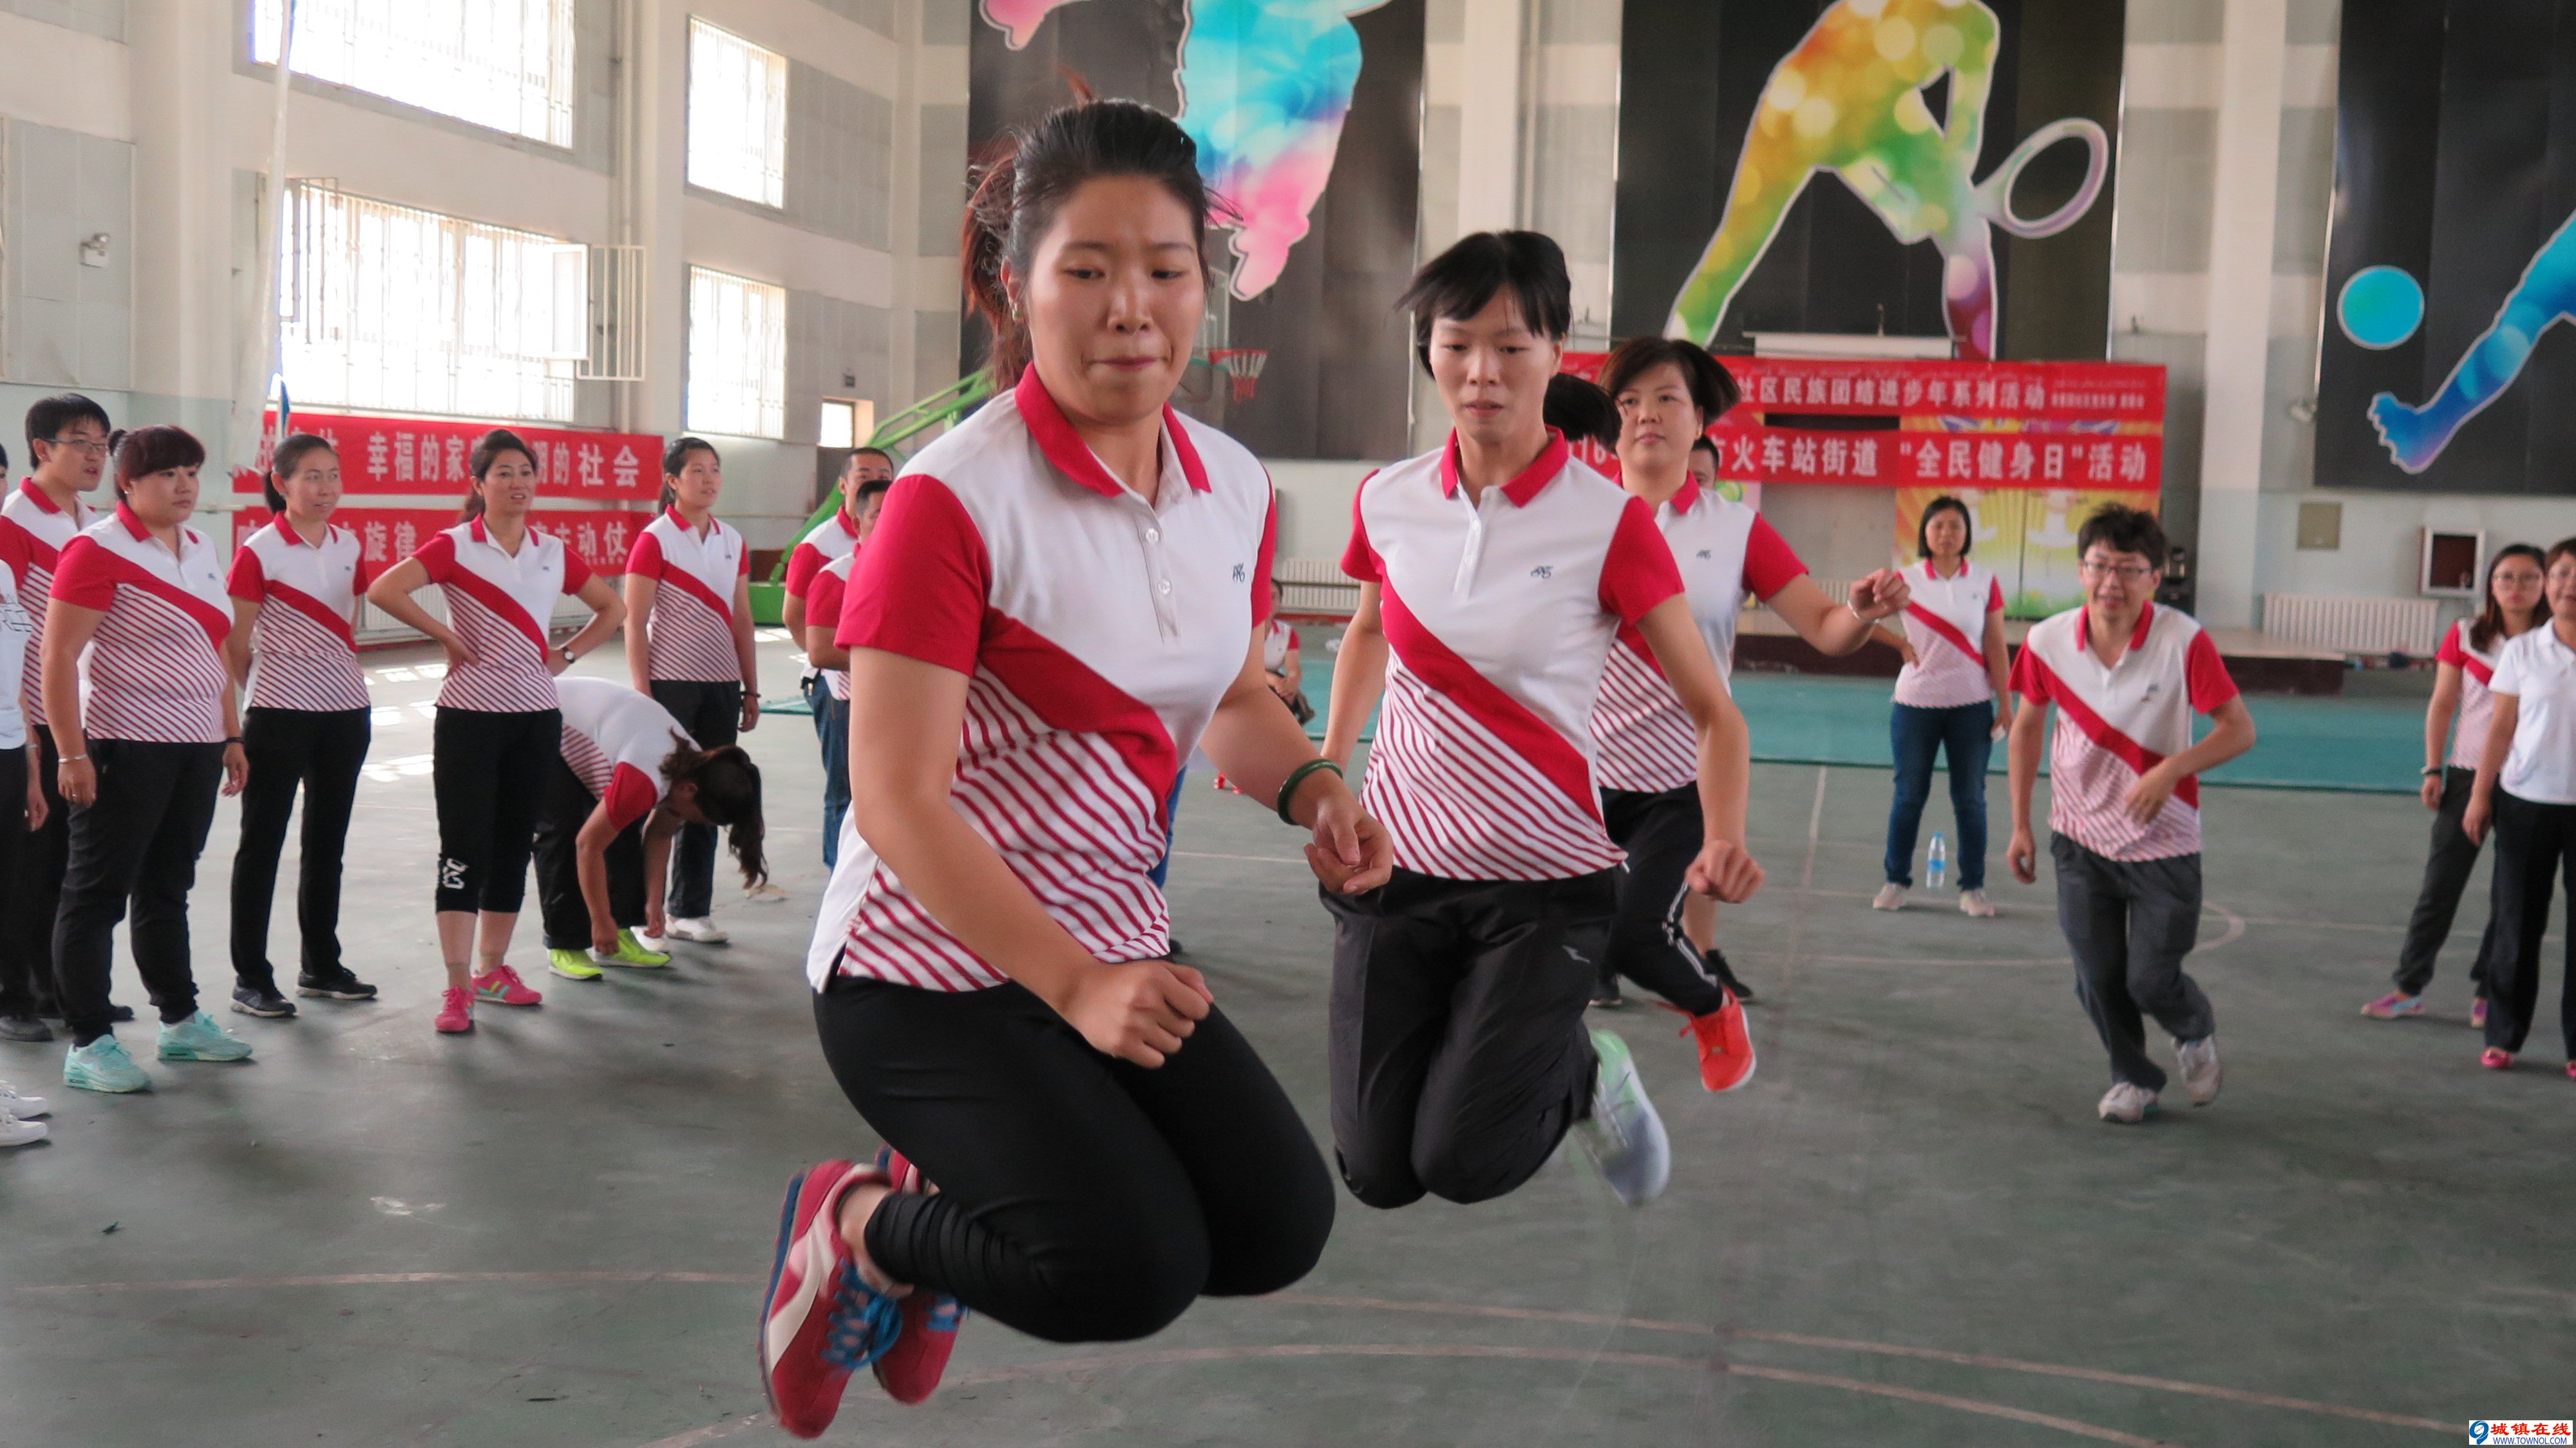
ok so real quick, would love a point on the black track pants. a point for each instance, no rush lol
(137, 843)
(1662, 835)
(712, 713)
(489, 773)
(320, 750)
(569, 804)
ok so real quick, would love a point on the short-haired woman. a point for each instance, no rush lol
(1953, 697)
(144, 716)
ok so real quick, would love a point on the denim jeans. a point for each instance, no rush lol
(1967, 733)
(832, 731)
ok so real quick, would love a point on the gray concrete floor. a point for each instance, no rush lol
(1908, 1229)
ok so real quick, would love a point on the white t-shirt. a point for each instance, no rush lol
(2539, 671)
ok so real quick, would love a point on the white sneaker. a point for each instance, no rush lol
(1891, 896)
(702, 930)
(765, 893)
(21, 1105)
(1974, 902)
(1624, 1134)
(2201, 1073)
(14, 1132)
(2127, 1104)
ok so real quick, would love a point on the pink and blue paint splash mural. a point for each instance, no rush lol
(1265, 86)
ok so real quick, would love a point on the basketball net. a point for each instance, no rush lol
(1243, 364)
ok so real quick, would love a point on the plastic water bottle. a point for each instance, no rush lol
(1936, 863)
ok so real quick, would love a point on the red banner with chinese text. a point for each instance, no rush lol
(387, 536)
(421, 455)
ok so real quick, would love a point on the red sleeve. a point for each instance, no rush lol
(249, 580)
(14, 550)
(802, 564)
(1995, 597)
(2028, 679)
(645, 558)
(367, 573)
(2450, 652)
(2207, 674)
(823, 599)
(923, 594)
(1359, 559)
(1639, 571)
(576, 572)
(1770, 564)
(1261, 563)
(1293, 643)
(631, 796)
(85, 576)
(742, 560)
(438, 555)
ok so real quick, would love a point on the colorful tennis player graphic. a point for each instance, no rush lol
(1265, 85)
(2544, 297)
(1849, 99)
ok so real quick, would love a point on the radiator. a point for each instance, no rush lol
(1314, 586)
(2354, 625)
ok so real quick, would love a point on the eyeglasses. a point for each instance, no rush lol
(2125, 572)
(95, 447)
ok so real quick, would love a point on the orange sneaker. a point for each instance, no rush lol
(1725, 1046)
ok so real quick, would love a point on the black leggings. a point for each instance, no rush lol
(1081, 1198)
(712, 713)
(18, 963)
(321, 750)
(137, 842)
(489, 772)
(35, 882)
(2446, 875)
(2535, 846)
(569, 805)
(1662, 835)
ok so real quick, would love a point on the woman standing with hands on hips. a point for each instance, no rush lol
(499, 729)
(1064, 597)
(143, 714)
(1953, 696)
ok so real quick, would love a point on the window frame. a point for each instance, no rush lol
(764, 414)
(734, 171)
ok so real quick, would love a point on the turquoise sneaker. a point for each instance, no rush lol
(102, 1065)
(1625, 1136)
(631, 952)
(198, 1038)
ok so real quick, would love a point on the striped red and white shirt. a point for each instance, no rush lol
(1500, 616)
(1276, 645)
(614, 742)
(2477, 700)
(2117, 721)
(1946, 624)
(1726, 552)
(833, 538)
(304, 647)
(1097, 630)
(153, 671)
(690, 633)
(500, 604)
(17, 636)
(46, 530)
(824, 595)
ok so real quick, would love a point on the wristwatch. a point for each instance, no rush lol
(569, 657)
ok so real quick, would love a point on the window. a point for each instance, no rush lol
(391, 307)
(737, 355)
(737, 116)
(506, 64)
(847, 422)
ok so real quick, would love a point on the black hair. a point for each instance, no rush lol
(880, 454)
(1705, 443)
(1581, 410)
(1712, 388)
(149, 450)
(2124, 529)
(283, 462)
(2490, 619)
(728, 794)
(1019, 188)
(676, 457)
(1460, 282)
(1947, 504)
(869, 489)
(50, 415)
(487, 451)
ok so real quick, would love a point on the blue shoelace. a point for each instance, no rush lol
(864, 1324)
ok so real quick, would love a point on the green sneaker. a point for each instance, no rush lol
(198, 1038)
(102, 1065)
(572, 964)
(631, 952)
(1623, 1134)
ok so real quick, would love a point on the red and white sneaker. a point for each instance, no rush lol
(822, 1320)
(502, 987)
(1725, 1045)
(911, 1369)
(455, 1011)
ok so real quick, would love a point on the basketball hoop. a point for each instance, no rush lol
(1244, 365)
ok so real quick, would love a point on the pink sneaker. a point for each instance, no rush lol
(502, 987)
(822, 1320)
(2496, 1058)
(911, 1368)
(456, 1011)
(2394, 1004)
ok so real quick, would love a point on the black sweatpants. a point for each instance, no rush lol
(568, 807)
(2130, 923)
(712, 713)
(322, 751)
(138, 842)
(2446, 875)
(1662, 834)
(1081, 1198)
(36, 881)
(2534, 842)
(488, 771)
(1459, 1055)
(18, 960)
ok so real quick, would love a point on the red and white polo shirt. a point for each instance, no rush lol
(1500, 615)
(824, 596)
(1946, 624)
(153, 671)
(2477, 701)
(614, 742)
(690, 633)
(1098, 632)
(17, 635)
(304, 648)
(46, 530)
(2117, 721)
(1726, 551)
(1276, 643)
(833, 538)
(500, 604)
(2539, 671)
